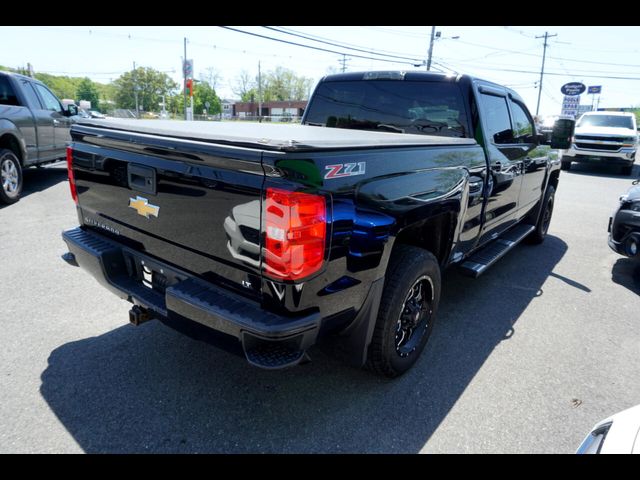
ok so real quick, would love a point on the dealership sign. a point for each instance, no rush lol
(595, 89)
(573, 88)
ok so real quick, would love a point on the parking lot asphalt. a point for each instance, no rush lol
(524, 359)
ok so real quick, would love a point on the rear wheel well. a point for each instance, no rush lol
(434, 234)
(10, 142)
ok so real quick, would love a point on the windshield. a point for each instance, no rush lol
(605, 121)
(427, 108)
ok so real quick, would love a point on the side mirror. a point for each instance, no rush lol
(562, 133)
(72, 110)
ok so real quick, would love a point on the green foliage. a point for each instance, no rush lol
(150, 84)
(62, 86)
(202, 93)
(284, 84)
(88, 91)
(278, 84)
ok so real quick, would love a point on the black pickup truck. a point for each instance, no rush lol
(34, 130)
(284, 236)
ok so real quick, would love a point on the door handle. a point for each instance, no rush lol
(56, 122)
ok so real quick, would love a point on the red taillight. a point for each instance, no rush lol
(72, 179)
(295, 226)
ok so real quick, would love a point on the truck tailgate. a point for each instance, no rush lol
(190, 203)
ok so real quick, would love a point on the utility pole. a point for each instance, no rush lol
(259, 93)
(344, 62)
(135, 89)
(433, 35)
(544, 54)
(184, 75)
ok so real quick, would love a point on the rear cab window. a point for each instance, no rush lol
(423, 108)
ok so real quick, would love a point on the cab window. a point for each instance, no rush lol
(49, 100)
(7, 95)
(522, 124)
(496, 115)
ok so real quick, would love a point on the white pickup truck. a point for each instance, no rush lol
(609, 138)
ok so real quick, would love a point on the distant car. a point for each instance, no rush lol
(619, 433)
(96, 114)
(608, 138)
(624, 225)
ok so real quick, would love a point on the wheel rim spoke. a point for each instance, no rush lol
(414, 318)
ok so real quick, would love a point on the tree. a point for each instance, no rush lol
(212, 77)
(244, 85)
(284, 84)
(88, 91)
(202, 93)
(62, 86)
(150, 85)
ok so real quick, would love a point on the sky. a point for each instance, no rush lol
(508, 55)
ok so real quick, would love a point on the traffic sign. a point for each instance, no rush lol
(187, 68)
(573, 88)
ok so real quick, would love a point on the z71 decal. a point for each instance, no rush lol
(344, 170)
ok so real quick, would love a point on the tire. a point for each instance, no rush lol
(542, 226)
(10, 177)
(628, 170)
(565, 165)
(412, 285)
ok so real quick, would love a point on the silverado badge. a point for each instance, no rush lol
(142, 206)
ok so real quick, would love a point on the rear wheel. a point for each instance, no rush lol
(542, 226)
(407, 311)
(10, 177)
(565, 164)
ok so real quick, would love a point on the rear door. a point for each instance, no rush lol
(40, 123)
(55, 132)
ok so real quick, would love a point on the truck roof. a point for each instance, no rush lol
(270, 136)
(415, 76)
(606, 112)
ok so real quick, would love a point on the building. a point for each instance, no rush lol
(277, 110)
(227, 108)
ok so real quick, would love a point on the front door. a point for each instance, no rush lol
(536, 158)
(59, 122)
(506, 164)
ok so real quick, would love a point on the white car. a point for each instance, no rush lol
(609, 138)
(619, 433)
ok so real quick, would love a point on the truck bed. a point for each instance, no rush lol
(290, 138)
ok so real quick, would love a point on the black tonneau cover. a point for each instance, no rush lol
(290, 138)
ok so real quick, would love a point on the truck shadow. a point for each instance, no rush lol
(597, 170)
(38, 179)
(150, 389)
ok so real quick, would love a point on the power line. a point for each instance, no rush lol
(397, 32)
(370, 51)
(344, 43)
(312, 47)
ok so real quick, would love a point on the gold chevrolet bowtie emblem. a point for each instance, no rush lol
(141, 205)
